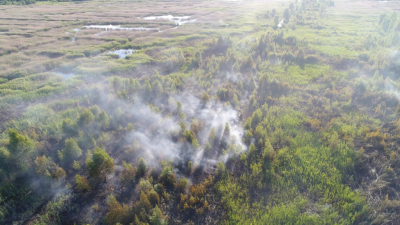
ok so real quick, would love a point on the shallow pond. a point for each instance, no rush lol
(76, 31)
(179, 20)
(65, 75)
(123, 52)
(117, 27)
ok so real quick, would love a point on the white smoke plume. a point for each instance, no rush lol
(155, 133)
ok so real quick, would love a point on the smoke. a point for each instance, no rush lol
(156, 133)
(389, 85)
(232, 77)
(391, 89)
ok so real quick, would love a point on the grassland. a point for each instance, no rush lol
(253, 112)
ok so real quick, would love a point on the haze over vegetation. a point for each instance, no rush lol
(199, 112)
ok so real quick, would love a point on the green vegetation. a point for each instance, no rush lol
(252, 112)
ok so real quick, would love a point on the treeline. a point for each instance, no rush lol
(28, 2)
(17, 2)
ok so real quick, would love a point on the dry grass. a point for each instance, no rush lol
(46, 26)
(29, 30)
